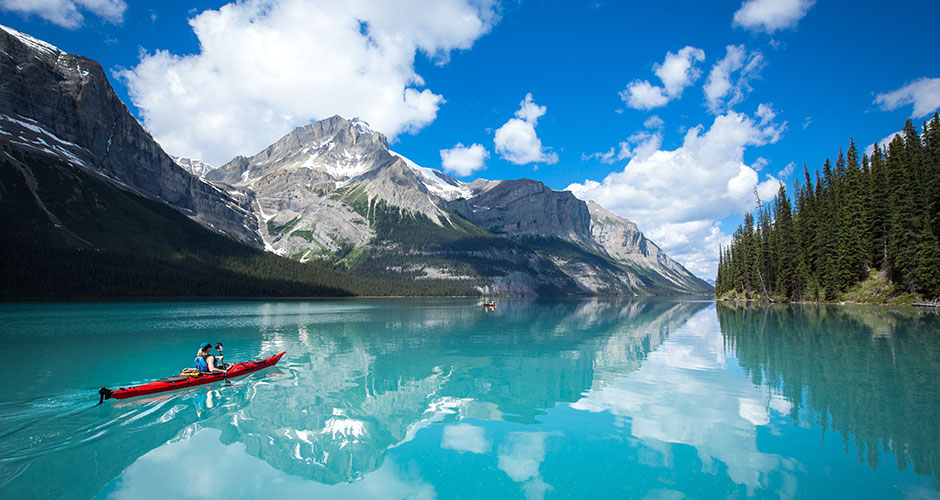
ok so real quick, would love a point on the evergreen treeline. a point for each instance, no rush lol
(862, 214)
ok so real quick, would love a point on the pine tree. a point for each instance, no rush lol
(904, 238)
(840, 172)
(927, 273)
(852, 256)
(879, 220)
(827, 234)
(808, 222)
(932, 160)
(767, 256)
(868, 207)
(721, 278)
(801, 271)
(751, 255)
(786, 278)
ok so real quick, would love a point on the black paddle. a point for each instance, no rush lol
(218, 347)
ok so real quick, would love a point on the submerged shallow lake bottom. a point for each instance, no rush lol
(415, 398)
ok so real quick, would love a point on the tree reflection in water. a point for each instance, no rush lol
(868, 373)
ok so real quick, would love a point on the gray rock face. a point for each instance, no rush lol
(525, 207)
(291, 183)
(60, 104)
(297, 183)
(402, 186)
(621, 239)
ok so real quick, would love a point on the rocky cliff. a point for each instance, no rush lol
(525, 207)
(621, 239)
(61, 105)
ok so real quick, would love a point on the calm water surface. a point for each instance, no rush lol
(427, 399)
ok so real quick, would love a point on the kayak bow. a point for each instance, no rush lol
(183, 381)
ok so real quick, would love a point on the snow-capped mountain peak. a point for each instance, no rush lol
(340, 148)
(361, 126)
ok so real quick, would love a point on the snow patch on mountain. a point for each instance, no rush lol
(198, 168)
(28, 133)
(361, 126)
(437, 182)
(33, 43)
(341, 168)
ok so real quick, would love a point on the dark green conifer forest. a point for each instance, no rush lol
(860, 218)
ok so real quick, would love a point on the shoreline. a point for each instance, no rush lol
(928, 304)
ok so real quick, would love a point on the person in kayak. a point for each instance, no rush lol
(206, 362)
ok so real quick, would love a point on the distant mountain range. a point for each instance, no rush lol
(331, 196)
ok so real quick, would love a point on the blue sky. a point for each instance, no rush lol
(668, 113)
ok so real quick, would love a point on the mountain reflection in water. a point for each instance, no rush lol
(350, 394)
(438, 399)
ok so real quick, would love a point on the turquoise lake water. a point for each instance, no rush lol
(651, 399)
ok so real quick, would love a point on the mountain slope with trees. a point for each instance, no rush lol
(68, 234)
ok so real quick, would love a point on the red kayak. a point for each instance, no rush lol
(183, 381)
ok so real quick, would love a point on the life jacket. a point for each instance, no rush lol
(201, 364)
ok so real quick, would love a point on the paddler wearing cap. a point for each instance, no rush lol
(206, 362)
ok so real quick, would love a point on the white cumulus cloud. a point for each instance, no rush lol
(464, 160)
(644, 95)
(640, 144)
(771, 15)
(760, 163)
(677, 197)
(68, 13)
(722, 89)
(677, 72)
(517, 142)
(654, 122)
(924, 94)
(267, 66)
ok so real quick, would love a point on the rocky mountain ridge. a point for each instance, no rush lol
(326, 185)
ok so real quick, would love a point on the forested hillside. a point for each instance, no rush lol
(87, 239)
(861, 216)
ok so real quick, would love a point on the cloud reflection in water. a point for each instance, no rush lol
(202, 467)
(683, 394)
